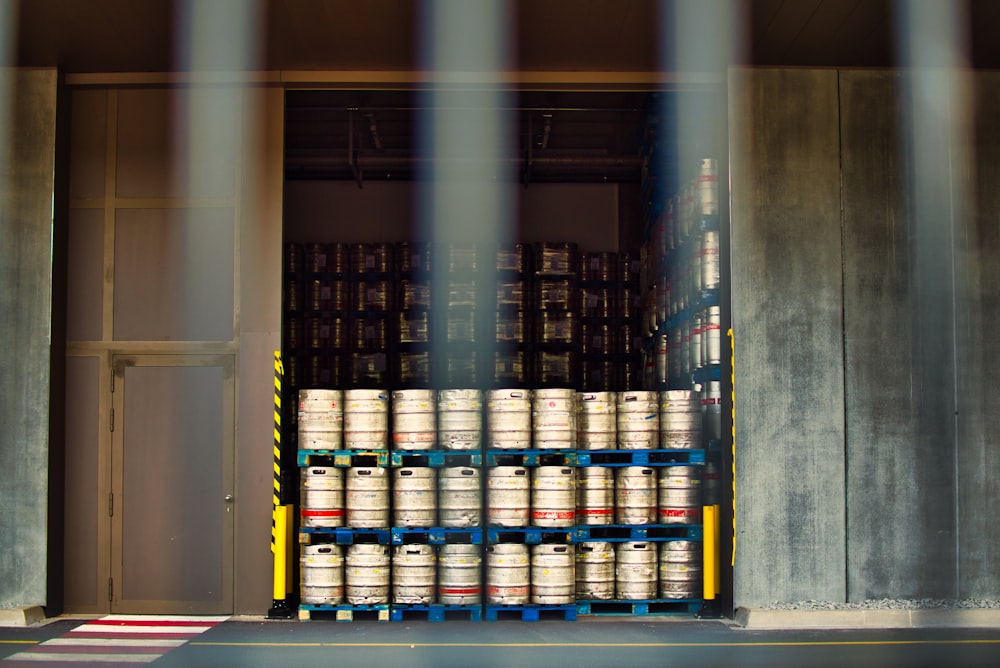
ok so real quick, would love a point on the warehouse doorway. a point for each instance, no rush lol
(613, 183)
(171, 499)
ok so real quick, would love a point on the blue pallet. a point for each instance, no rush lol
(435, 613)
(437, 535)
(530, 535)
(344, 613)
(701, 301)
(436, 458)
(625, 533)
(639, 457)
(646, 608)
(707, 373)
(531, 613)
(533, 457)
(342, 536)
(343, 458)
(708, 222)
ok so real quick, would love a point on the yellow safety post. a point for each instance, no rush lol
(281, 513)
(710, 552)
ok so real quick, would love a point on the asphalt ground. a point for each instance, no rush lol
(599, 642)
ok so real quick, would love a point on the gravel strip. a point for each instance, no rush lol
(890, 604)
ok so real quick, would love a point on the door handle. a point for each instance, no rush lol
(228, 498)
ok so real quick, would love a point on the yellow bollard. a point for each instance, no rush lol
(281, 514)
(280, 548)
(710, 552)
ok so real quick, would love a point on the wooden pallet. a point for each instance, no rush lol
(344, 613)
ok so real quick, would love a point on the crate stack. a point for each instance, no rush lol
(293, 290)
(315, 331)
(372, 291)
(556, 357)
(461, 326)
(609, 320)
(512, 356)
(630, 336)
(411, 360)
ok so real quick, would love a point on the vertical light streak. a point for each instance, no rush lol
(698, 41)
(933, 47)
(217, 43)
(465, 187)
(8, 51)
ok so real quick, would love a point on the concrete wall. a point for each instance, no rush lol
(899, 350)
(977, 311)
(787, 320)
(865, 372)
(27, 168)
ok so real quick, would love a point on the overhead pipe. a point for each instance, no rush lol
(620, 165)
(352, 157)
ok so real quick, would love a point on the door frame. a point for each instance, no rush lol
(119, 363)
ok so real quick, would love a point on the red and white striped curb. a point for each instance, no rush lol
(117, 639)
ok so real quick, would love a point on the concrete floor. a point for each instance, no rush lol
(552, 644)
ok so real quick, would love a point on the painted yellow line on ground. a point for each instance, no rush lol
(19, 642)
(802, 643)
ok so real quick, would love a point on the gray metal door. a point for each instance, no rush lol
(172, 500)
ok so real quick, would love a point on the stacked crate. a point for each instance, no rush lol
(460, 328)
(372, 303)
(315, 343)
(556, 357)
(609, 317)
(511, 366)
(412, 319)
